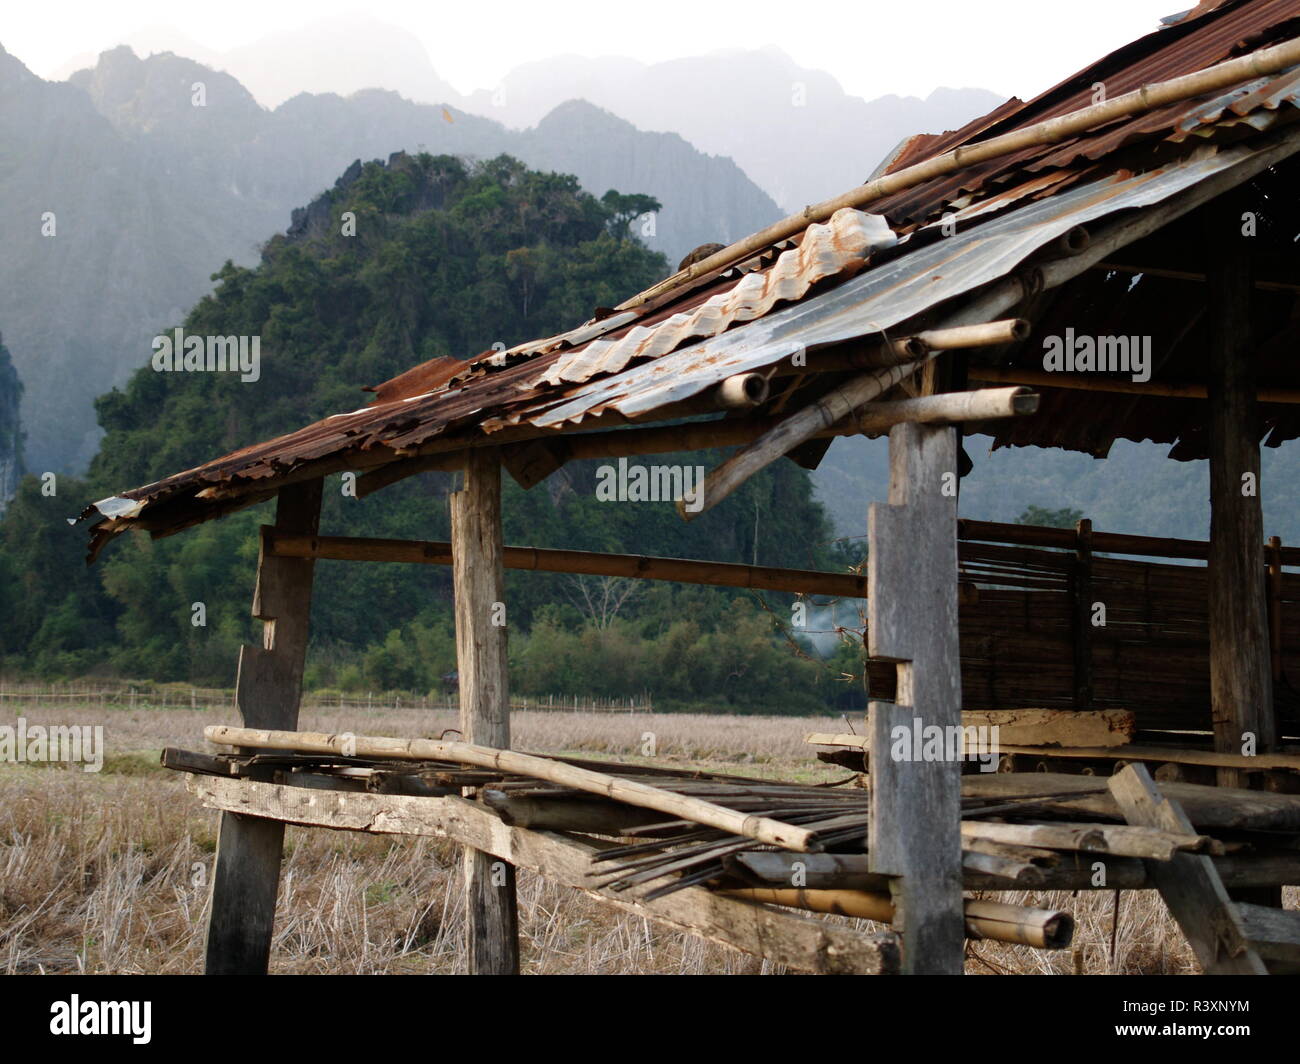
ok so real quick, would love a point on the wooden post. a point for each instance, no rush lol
(478, 578)
(1275, 608)
(1188, 882)
(269, 685)
(1241, 689)
(912, 620)
(1082, 588)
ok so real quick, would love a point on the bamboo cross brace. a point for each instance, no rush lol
(761, 829)
(834, 406)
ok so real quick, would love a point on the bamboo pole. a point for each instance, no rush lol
(982, 405)
(590, 563)
(763, 829)
(729, 432)
(985, 334)
(838, 404)
(831, 408)
(741, 392)
(996, 921)
(1212, 79)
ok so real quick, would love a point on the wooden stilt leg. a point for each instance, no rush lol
(479, 580)
(246, 879)
(912, 619)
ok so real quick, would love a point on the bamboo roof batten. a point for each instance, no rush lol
(1052, 131)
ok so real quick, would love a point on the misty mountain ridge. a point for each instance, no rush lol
(794, 130)
(150, 194)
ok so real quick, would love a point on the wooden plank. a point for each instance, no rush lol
(784, 938)
(1120, 840)
(912, 620)
(1104, 728)
(1241, 684)
(1191, 888)
(246, 878)
(478, 579)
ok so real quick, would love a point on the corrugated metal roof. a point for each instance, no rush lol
(836, 249)
(879, 299)
(685, 341)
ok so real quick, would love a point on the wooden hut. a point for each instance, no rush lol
(979, 282)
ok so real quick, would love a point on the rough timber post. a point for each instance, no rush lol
(1241, 688)
(915, 829)
(478, 578)
(247, 875)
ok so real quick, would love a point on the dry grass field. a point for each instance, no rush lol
(107, 872)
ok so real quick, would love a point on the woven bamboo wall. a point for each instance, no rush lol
(1151, 657)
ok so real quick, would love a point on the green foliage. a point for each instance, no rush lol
(1063, 518)
(447, 258)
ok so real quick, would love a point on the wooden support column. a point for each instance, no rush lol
(1082, 590)
(478, 577)
(1241, 688)
(269, 685)
(912, 620)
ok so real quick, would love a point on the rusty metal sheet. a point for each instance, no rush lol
(840, 246)
(1210, 34)
(875, 301)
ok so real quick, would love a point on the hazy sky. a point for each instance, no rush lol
(1014, 47)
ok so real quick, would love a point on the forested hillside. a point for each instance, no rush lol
(448, 258)
(123, 188)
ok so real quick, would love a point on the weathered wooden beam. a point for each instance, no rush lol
(246, 878)
(540, 559)
(1241, 685)
(1037, 378)
(1273, 933)
(912, 620)
(1102, 542)
(1190, 886)
(478, 579)
(1264, 285)
(1084, 797)
(784, 938)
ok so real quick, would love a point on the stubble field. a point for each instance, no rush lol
(107, 872)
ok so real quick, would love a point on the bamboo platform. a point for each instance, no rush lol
(753, 864)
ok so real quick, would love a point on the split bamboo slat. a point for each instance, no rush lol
(1151, 655)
